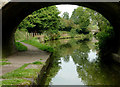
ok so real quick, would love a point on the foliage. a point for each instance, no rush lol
(3, 59)
(65, 25)
(37, 62)
(22, 34)
(4, 63)
(20, 46)
(66, 15)
(73, 32)
(99, 20)
(37, 44)
(106, 34)
(52, 35)
(81, 18)
(43, 19)
(106, 39)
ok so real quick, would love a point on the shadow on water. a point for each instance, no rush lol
(77, 63)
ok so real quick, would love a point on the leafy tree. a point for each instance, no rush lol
(106, 34)
(66, 15)
(81, 17)
(43, 19)
(66, 25)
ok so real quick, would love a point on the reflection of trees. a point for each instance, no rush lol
(91, 73)
(61, 50)
(54, 68)
(81, 54)
(66, 58)
(53, 43)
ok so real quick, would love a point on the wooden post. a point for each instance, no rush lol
(26, 35)
(33, 34)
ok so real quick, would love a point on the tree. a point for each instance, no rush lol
(66, 15)
(105, 36)
(41, 20)
(81, 17)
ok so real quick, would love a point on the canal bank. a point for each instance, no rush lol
(71, 59)
(25, 67)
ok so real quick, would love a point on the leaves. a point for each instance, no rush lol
(81, 19)
(41, 20)
(66, 15)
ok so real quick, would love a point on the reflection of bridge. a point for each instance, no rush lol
(14, 13)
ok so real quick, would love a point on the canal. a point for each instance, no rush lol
(76, 62)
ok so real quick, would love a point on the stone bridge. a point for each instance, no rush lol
(14, 12)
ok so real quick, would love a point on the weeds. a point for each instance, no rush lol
(20, 47)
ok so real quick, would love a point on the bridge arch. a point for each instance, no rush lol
(14, 12)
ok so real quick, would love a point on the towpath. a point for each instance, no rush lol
(20, 58)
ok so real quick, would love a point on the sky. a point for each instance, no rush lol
(66, 8)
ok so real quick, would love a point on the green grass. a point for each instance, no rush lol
(37, 62)
(37, 44)
(21, 73)
(17, 76)
(65, 37)
(4, 63)
(15, 82)
(20, 47)
(3, 59)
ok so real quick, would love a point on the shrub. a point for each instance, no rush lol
(106, 40)
(53, 34)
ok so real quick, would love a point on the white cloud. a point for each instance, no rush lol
(66, 8)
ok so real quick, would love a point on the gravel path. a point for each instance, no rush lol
(20, 58)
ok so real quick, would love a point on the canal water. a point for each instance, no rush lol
(76, 62)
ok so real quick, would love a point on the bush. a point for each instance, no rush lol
(20, 47)
(106, 40)
(53, 34)
(73, 32)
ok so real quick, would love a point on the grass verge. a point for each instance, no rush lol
(3, 59)
(4, 62)
(21, 73)
(37, 44)
(20, 47)
(17, 76)
(15, 82)
(37, 62)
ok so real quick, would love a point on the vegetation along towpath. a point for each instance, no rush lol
(30, 56)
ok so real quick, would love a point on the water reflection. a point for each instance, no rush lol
(77, 63)
(67, 75)
(92, 56)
